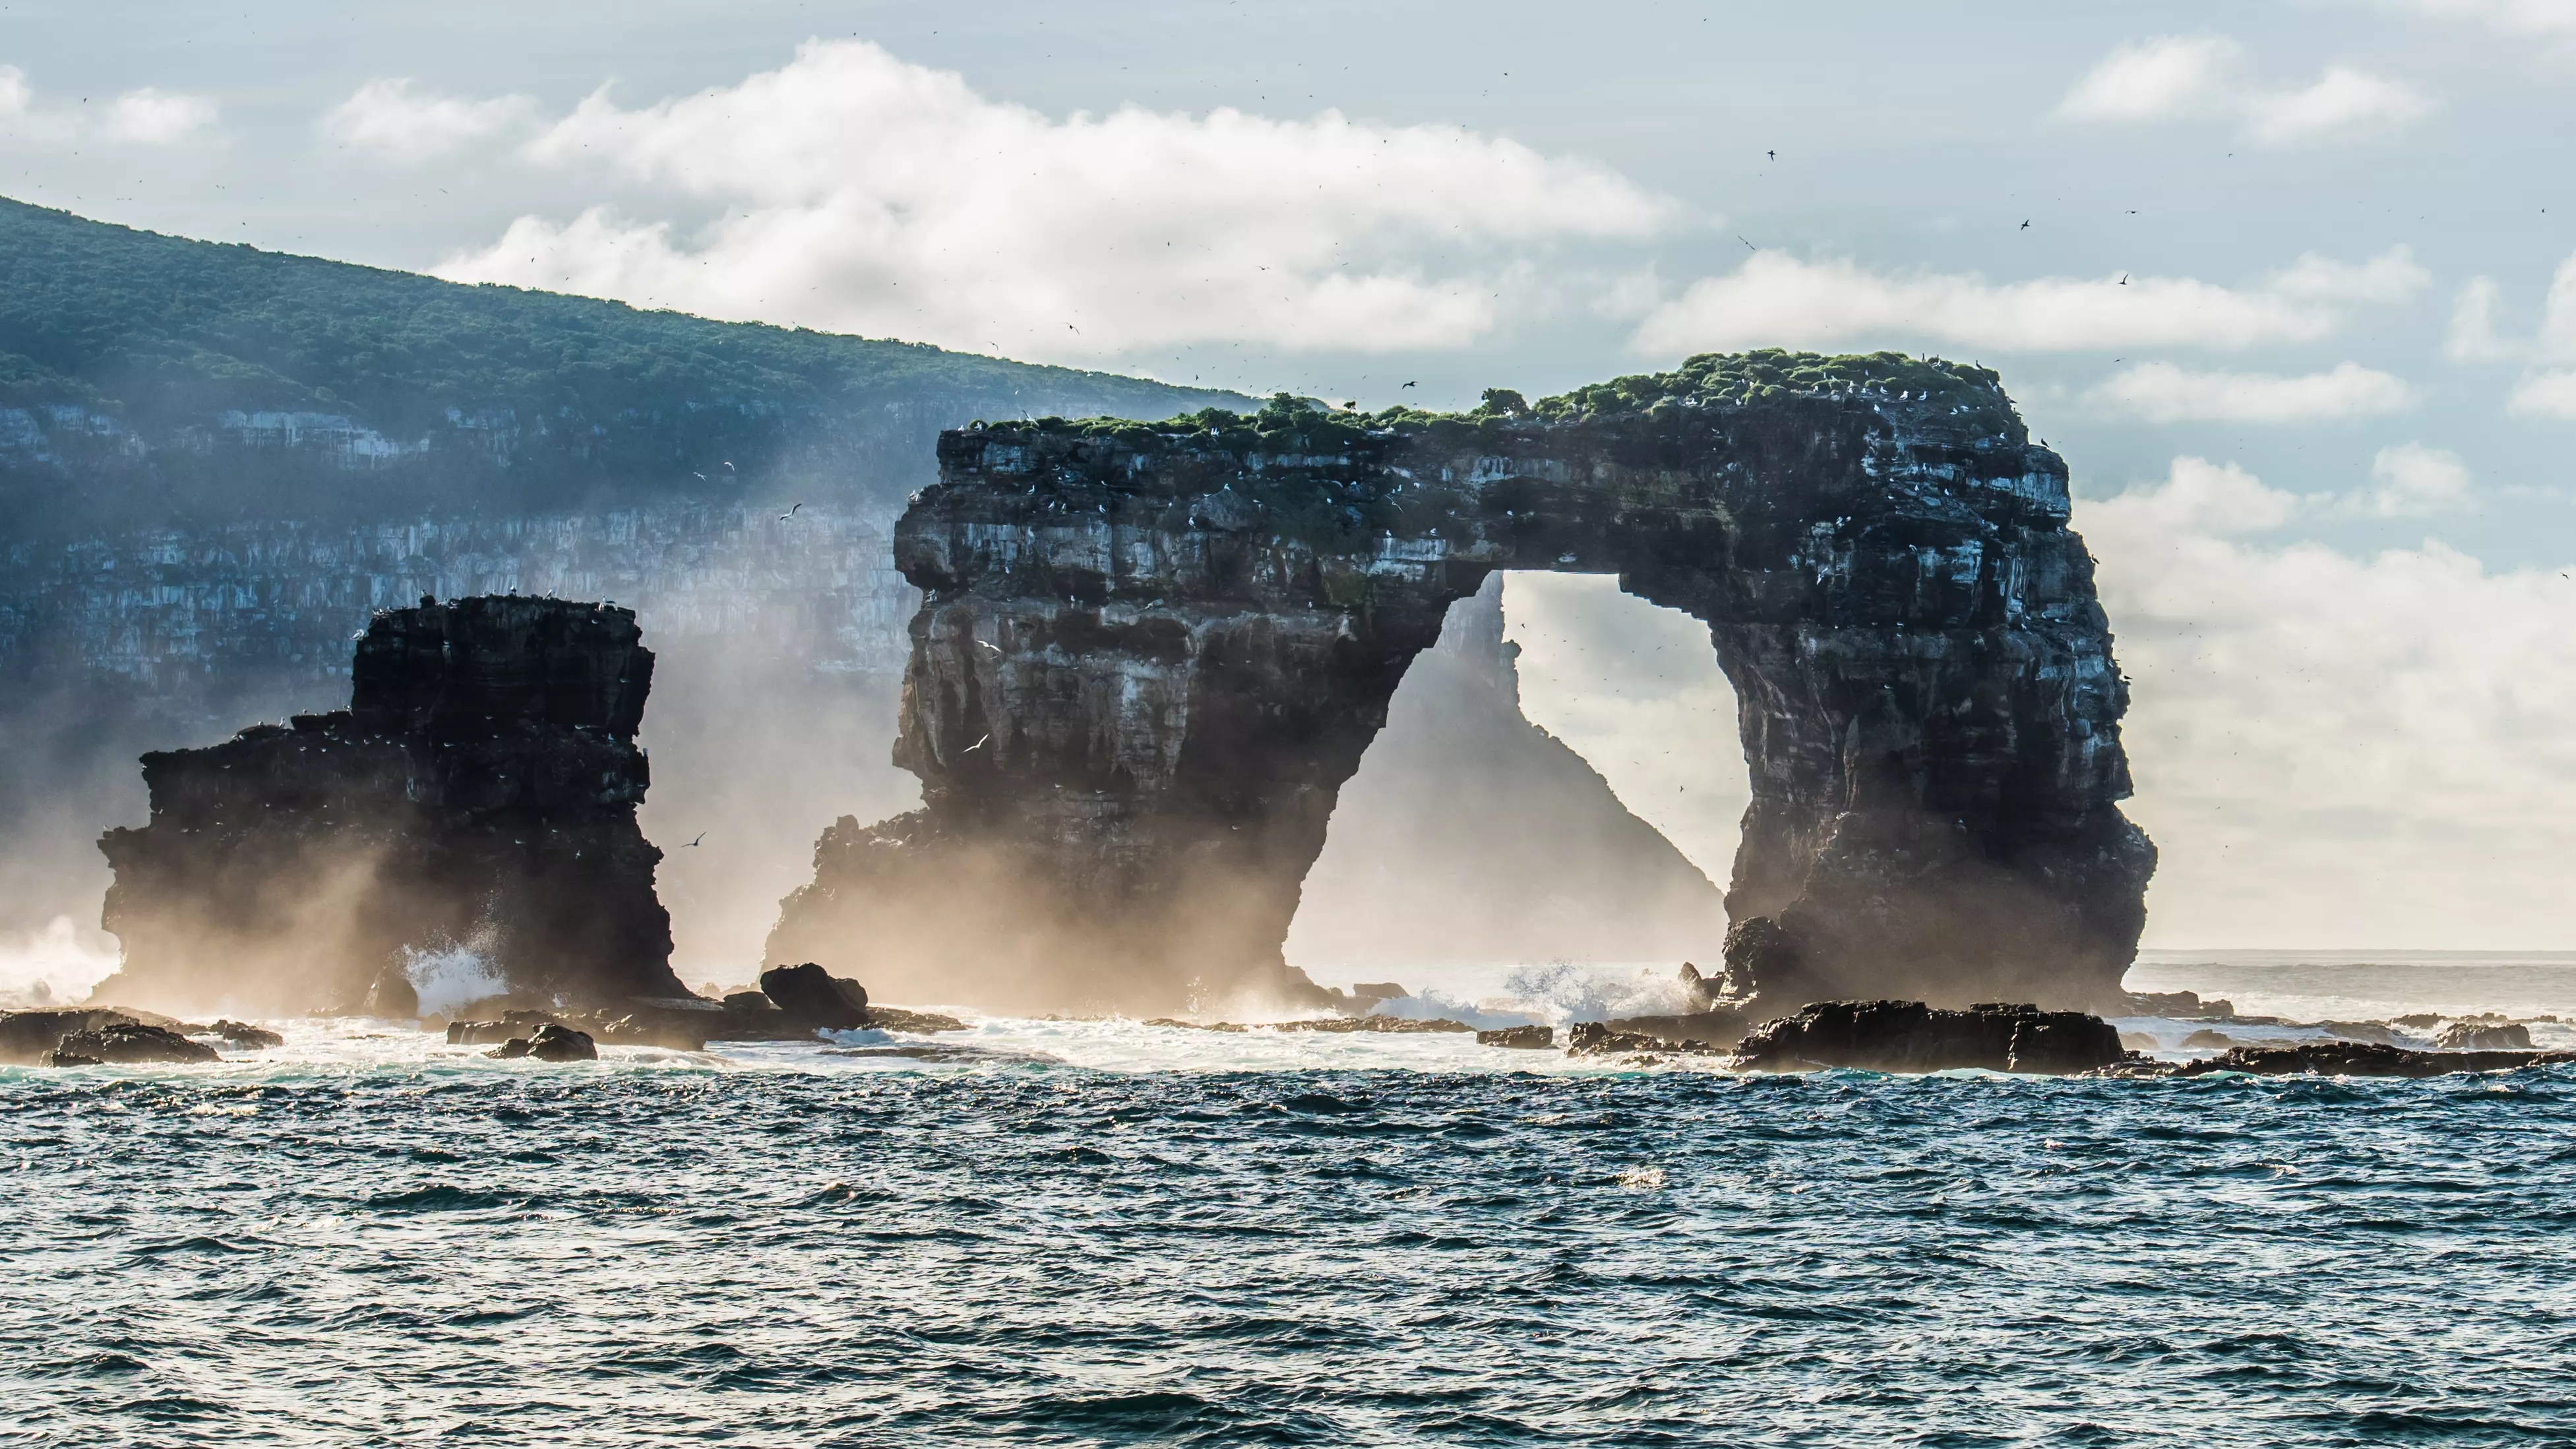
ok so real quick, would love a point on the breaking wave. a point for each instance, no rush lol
(449, 977)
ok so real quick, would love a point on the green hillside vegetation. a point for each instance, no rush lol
(96, 313)
(163, 334)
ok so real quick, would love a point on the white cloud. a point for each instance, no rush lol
(390, 118)
(2192, 77)
(2333, 749)
(1778, 300)
(2473, 336)
(863, 193)
(2545, 395)
(2414, 482)
(2155, 80)
(152, 117)
(15, 97)
(2161, 392)
(2343, 104)
(2509, 17)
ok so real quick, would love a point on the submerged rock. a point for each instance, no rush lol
(1908, 1036)
(2360, 1059)
(1149, 657)
(127, 1043)
(242, 1036)
(481, 788)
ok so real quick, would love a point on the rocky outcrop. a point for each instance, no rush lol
(1907, 1036)
(812, 998)
(552, 1042)
(27, 1037)
(128, 1043)
(1519, 1038)
(1149, 657)
(478, 794)
(2478, 1036)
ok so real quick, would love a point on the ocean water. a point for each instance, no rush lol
(1107, 1233)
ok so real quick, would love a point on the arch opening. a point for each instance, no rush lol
(1558, 781)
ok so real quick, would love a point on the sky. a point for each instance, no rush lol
(2290, 283)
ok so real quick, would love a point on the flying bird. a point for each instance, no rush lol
(701, 477)
(1774, 155)
(701, 836)
(989, 644)
(1748, 246)
(979, 744)
(2124, 279)
(2025, 226)
(1409, 384)
(790, 513)
(729, 467)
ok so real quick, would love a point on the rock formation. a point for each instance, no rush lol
(1907, 1036)
(479, 793)
(1149, 656)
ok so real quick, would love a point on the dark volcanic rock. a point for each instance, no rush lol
(2364, 1059)
(1525, 1038)
(128, 1042)
(480, 788)
(2481, 1037)
(1598, 1038)
(811, 997)
(242, 1036)
(27, 1037)
(552, 1042)
(1149, 658)
(1907, 1036)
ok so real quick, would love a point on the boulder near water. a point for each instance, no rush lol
(814, 998)
(128, 1043)
(1908, 1036)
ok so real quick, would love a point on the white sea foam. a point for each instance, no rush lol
(1555, 994)
(451, 976)
(53, 965)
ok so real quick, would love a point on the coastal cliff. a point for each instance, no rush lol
(478, 795)
(1149, 656)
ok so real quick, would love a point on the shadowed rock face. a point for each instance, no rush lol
(1149, 657)
(479, 793)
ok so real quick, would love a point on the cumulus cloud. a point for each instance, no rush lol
(2473, 336)
(2414, 481)
(1778, 299)
(2545, 395)
(154, 117)
(2344, 103)
(2163, 393)
(389, 118)
(2508, 17)
(863, 193)
(2158, 80)
(2331, 748)
(15, 97)
(2188, 77)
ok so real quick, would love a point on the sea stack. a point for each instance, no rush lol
(1149, 657)
(474, 804)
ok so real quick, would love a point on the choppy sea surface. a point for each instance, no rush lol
(1110, 1233)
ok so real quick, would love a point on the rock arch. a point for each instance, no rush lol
(1149, 656)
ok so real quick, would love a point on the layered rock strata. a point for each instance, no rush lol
(478, 796)
(1148, 658)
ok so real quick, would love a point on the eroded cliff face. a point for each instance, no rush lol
(474, 805)
(1149, 657)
